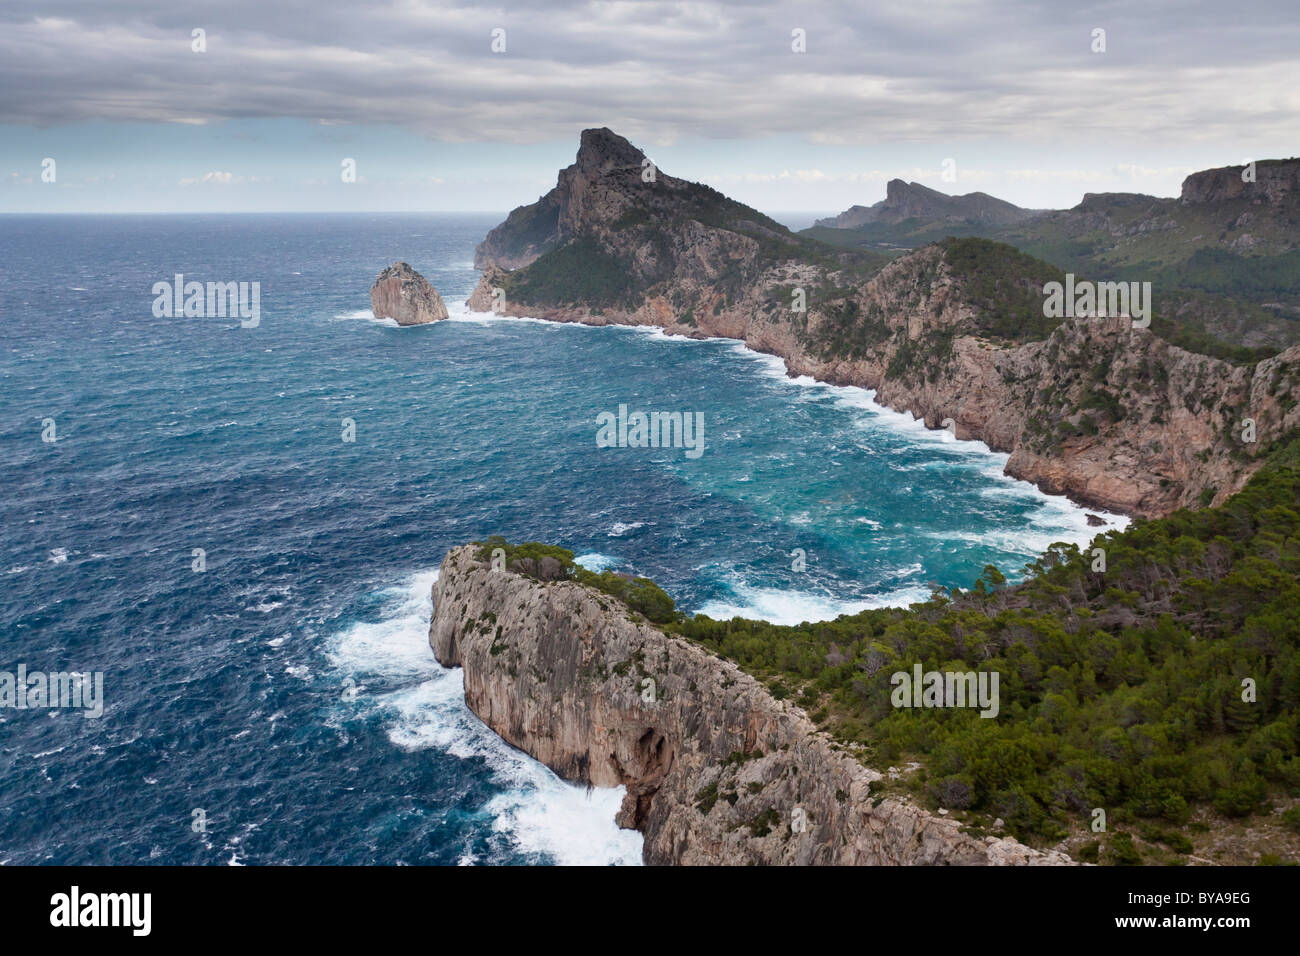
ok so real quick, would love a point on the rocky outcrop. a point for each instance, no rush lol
(1216, 210)
(1111, 415)
(1275, 181)
(611, 188)
(717, 771)
(403, 294)
(913, 201)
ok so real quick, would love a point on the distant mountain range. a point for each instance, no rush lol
(1232, 232)
(907, 201)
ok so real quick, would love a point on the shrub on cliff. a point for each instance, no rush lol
(581, 273)
(640, 594)
(1172, 679)
(547, 562)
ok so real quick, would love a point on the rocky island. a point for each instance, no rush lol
(402, 294)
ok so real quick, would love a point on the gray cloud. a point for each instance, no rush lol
(658, 72)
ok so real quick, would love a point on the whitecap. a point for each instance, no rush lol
(365, 315)
(786, 606)
(595, 561)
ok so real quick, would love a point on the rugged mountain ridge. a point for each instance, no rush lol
(1217, 209)
(1112, 415)
(1253, 213)
(717, 771)
(905, 201)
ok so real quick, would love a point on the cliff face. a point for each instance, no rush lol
(1112, 415)
(716, 770)
(597, 187)
(403, 294)
(1276, 181)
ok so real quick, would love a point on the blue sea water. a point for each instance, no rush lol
(288, 691)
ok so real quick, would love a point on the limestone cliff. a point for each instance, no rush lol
(717, 771)
(403, 294)
(1112, 415)
(1274, 181)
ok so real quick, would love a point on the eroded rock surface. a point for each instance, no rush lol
(717, 771)
(403, 294)
(1112, 415)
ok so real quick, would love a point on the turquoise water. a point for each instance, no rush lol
(230, 690)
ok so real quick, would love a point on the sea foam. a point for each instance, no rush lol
(537, 812)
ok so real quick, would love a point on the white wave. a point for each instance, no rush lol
(1058, 515)
(655, 333)
(779, 606)
(567, 824)
(460, 312)
(1056, 518)
(58, 556)
(538, 812)
(1037, 538)
(595, 561)
(619, 528)
(365, 315)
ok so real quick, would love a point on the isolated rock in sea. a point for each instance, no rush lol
(717, 771)
(403, 294)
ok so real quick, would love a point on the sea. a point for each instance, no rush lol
(238, 526)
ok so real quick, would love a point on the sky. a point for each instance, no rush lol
(265, 105)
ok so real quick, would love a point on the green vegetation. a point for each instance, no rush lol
(640, 594)
(1251, 277)
(1120, 689)
(582, 272)
(1005, 285)
(1183, 250)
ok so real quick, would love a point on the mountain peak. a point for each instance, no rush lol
(904, 200)
(601, 149)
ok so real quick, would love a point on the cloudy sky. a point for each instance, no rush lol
(284, 92)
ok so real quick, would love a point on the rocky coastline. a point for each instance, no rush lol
(1108, 413)
(717, 771)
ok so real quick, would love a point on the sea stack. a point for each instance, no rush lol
(403, 294)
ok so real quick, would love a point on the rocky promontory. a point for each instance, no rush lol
(717, 771)
(1109, 413)
(403, 294)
